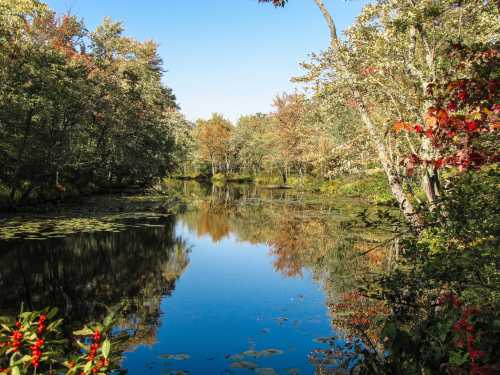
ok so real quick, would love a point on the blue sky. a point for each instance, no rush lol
(226, 56)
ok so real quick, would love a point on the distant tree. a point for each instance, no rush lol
(287, 133)
(213, 137)
(251, 142)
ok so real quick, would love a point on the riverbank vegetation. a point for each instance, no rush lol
(423, 79)
(79, 111)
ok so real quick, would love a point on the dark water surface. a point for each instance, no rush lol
(238, 283)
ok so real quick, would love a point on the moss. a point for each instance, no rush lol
(374, 187)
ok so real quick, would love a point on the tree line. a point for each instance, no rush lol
(79, 110)
(299, 137)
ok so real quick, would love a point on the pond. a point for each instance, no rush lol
(242, 281)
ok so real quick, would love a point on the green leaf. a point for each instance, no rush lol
(25, 359)
(88, 367)
(15, 371)
(82, 345)
(459, 358)
(86, 331)
(106, 347)
(13, 359)
(52, 313)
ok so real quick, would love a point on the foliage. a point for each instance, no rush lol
(463, 124)
(79, 110)
(33, 344)
(434, 66)
(443, 295)
(213, 137)
(301, 137)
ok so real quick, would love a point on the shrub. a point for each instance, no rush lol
(33, 343)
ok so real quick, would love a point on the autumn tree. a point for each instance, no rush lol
(78, 110)
(287, 133)
(213, 138)
(391, 57)
(250, 139)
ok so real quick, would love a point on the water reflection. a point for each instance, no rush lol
(248, 288)
(300, 232)
(82, 274)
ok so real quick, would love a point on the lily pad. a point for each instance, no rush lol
(266, 371)
(234, 357)
(244, 364)
(176, 357)
(281, 320)
(262, 353)
(325, 340)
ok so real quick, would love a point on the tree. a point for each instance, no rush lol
(390, 59)
(213, 137)
(78, 110)
(250, 140)
(287, 133)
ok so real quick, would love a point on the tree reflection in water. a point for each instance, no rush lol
(82, 274)
(302, 233)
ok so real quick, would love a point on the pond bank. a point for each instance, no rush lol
(371, 185)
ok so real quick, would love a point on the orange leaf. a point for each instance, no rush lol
(442, 118)
(398, 126)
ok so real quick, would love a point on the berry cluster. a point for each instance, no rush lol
(96, 342)
(36, 352)
(41, 323)
(32, 344)
(16, 339)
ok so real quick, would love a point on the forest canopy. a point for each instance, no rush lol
(79, 110)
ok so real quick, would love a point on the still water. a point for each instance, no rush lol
(239, 282)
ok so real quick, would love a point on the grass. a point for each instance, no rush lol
(231, 177)
(372, 186)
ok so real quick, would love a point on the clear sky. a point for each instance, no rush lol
(226, 56)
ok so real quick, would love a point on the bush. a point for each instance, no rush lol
(443, 294)
(34, 343)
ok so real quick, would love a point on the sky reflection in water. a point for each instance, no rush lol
(230, 300)
(231, 275)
